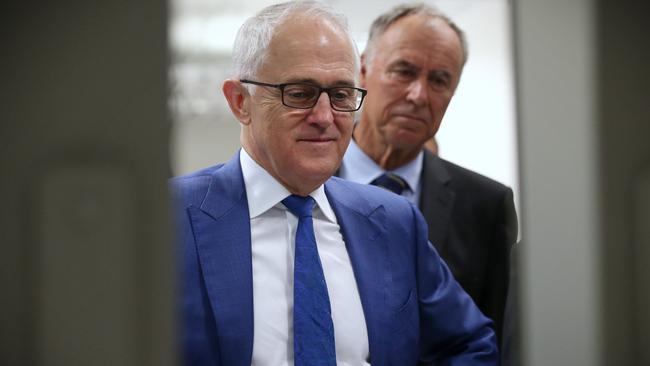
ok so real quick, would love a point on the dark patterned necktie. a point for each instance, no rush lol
(313, 330)
(391, 182)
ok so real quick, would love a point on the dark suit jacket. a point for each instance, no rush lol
(472, 224)
(413, 308)
(511, 342)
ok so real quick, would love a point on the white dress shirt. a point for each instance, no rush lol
(273, 232)
(360, 168)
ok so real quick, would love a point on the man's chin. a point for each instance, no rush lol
(304, 181)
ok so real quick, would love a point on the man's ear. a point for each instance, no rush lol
(238, 100)
(362, 75)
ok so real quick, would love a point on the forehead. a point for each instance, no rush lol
(307, 47)
(420, 38)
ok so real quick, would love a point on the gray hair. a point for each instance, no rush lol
(381, 24)
(254, 37)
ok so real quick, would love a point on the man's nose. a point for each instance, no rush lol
(418, 92)
(322, 113)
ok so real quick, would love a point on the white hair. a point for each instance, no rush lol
(253, 39)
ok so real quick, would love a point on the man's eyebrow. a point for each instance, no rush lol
(341, 82)
(302, 80)
(404, 63)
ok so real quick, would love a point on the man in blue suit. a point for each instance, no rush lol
(283, 264)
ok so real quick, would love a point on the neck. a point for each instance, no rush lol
(387, 156)
(300, 191)
(301, 186)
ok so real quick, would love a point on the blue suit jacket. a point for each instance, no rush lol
(414, 309)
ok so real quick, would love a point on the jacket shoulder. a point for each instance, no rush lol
(192, 188)
(470, 180)
(362, 197)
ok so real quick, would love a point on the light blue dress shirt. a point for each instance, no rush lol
(359, 167)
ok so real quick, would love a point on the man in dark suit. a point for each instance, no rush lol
(282, 264)
(411, 67)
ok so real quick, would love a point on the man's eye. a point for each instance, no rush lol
(404, 74)
(341, 94)
(440, 83)
(299, 93)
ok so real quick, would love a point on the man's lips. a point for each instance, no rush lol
(317, 139)
(410, 116)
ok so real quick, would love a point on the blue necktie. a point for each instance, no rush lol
(313, 330)
(391, 182)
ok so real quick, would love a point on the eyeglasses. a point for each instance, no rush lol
(305, 96)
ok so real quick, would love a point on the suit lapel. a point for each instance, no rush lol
(363, 229)
(221, 227)
(436, 199)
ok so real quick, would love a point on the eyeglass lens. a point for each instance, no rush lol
(305, 96)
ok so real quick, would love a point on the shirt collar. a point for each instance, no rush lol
(366, 170)
(264, 192)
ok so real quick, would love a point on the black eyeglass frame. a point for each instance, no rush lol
(320, 91)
